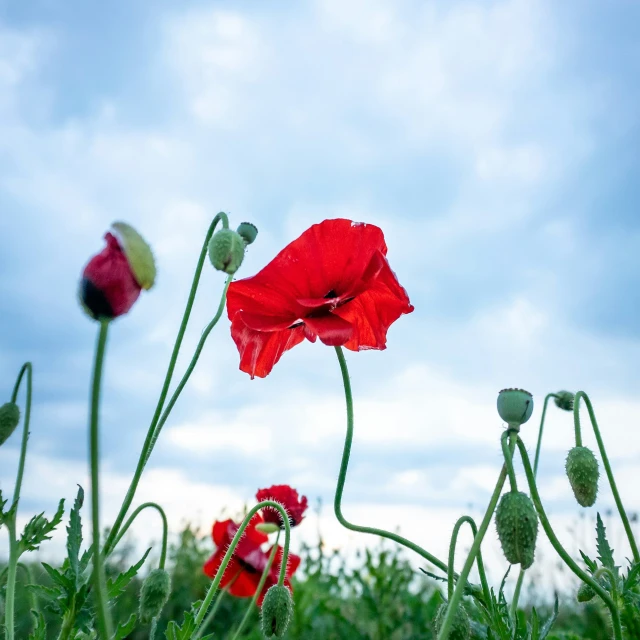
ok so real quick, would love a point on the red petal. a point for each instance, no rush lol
(332, 330)
(257, 537)
(292, 564)
(260, 350)
(245, 586)
(220, 532)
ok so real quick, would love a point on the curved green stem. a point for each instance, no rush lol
(202, 612)
(263, 579)
(541, 430)
(216, 605)
(149, 441)
(344, 465)
(165, 528)
(105, 627)
(27, 369)
(452, 555)
(516, 594)
(507, 452)
(607, 465)
(562, 552)
(455, 599)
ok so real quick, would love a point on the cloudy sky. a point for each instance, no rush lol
(496, 143)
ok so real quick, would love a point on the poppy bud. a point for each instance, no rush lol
(112, 280)
(460, 628)
(517, 525)
(267, 527)
(277, 610)
(564, 400)
(9, 419)
(248, 231)
(585, 593)
(582, 471)
(154, 594)
(515, 406)
(226, 250)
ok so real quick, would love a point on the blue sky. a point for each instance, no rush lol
(496, 144)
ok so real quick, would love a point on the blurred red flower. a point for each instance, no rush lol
(332, 283)
(288, 497)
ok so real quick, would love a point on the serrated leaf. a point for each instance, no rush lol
(74, 535)
(188, 627)
(592, 565)
(605, 552)
(57, 577)
(633, 577)
(3, 515)
(47, 593)
(124, 629)
(40, 627)
(546, 628)
(38, 530)
(116, 587)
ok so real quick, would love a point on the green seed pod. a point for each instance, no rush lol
(9, 420)
(461, 627)
(248, 231)
(515, 406)
(583, 473)
(277, 611)
(585, 593)
(564, 400)
(138, 253)
(226, 250)
(517, 525)
(154, 595)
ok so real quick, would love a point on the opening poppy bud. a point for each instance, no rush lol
(517, 525)
(248, 232)
(267, 527)
(515, 406)
(138, 254)
(226, 250)
(460, 629)
(583, 473)
(564, 400)
(154, 595)
(585, 593)
(9, 420)
(277, 610)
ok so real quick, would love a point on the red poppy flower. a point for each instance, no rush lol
(245, 568)
(332, 283)
(288, 498)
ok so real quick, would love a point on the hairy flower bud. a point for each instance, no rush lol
(585, 593)
(277, 610)
(583, 473)
(564, 400)
(517, 525)
(248, 232)
(226, 250)
(138, 254)
(460, 628)
(515, 406)
(9, 420)
(154, 594)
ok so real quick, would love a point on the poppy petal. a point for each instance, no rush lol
(332, 330)
(220, 532)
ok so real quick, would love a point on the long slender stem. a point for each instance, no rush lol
(11, 581)
(27, 369)
(344, 465)
(541, 430)
(105, 627)
(507, 451)
(516, 594)
(263, 579)
(202, 612)
(149, 441)
(214, 609)
(165, 528)
(605, 462)
(475, 548)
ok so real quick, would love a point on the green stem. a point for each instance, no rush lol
(475, 548)
(452, 554)
(344, 465)
(541, 430)
(607, 465)
(14, 550)
(263, 579)
(227, 558)
(165, 528)
(516, 594)
(149, 441)
(105, 627)
(216, 605)
(507, 452)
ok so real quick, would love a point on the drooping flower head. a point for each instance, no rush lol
(288, 497)
(334, 283)
(112, 280)
(245, 569)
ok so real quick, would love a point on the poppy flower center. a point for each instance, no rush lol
(332, 294)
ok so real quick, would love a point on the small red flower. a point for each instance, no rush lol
(245, 568)
(332, 283)
(288, 498)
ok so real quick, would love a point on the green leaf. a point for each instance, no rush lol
(74, 534)
(633, 577)
(605, 552)
(38, 530)
(126, 628)
(57, 577)
(184, 632)
(116, 587)
(592, 565)
(3, 514)
(40, 627)
(546, 628)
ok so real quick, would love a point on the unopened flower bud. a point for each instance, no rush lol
(277, 610)
(517, 525)
(138, 254)
(154, 594)
(226, 250)
(267, 527)
(583, 473)
(248, 232)
(515, 406)
(585, 593)
(564, 400)
(460, 628)
(9, 420)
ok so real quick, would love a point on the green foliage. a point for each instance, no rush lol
(38, 529)
(187, 628)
